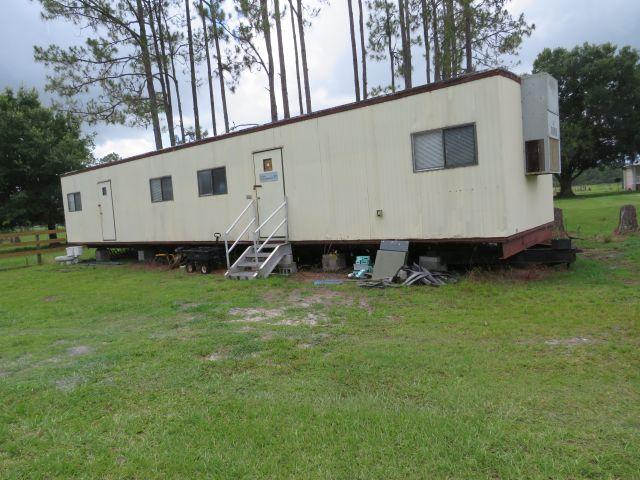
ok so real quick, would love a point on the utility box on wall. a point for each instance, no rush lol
(541, 124)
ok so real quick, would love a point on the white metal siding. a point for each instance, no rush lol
(338, 170)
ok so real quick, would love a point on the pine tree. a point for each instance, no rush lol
(283, 68)
(192, 70)
(383, 32)
(354, 51)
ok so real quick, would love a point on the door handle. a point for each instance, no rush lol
(255, 187)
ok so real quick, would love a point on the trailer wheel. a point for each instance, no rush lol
(190, 267)
(205, 268)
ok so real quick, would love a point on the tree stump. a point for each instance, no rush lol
(628, 220)
(558, 224)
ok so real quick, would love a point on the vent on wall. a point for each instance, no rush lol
(541, 124)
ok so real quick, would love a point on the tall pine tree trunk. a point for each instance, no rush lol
(146, 61)
(437, 55)
(205, 38)
(283, 68)
(192, 65)
(467, 14)
(165, 73)
(166, 99)
(406, 43)
(427, 45)
(264, 11)
(303, 54)
(295, 49)
(363, 52)
(223, 92)
(354, 51)
(174, 77)
(389, 36)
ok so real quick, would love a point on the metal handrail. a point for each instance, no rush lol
(226, 233)
(282, 205)
(241, 234)
(272, 234)
(240, 216)
(256, 232)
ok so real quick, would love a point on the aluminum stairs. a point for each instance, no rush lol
(258, 261)
(261, 258)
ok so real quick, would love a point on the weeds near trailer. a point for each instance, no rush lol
(124, 372)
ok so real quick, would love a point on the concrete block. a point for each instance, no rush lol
(333, 262)
(432, 263)
(102, 255)
(146, 255)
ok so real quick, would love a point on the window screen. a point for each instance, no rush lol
(428, 153)
(74, 202)
(460, 146)
(446, 148)
(212, 182)
(161, 189)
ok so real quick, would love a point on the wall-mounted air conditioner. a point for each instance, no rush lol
(541, 124)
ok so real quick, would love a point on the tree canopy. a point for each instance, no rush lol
(37, 144)
(599, 88)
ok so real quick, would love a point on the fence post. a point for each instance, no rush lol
(39, 255)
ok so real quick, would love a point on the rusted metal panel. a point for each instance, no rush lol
(520, 242)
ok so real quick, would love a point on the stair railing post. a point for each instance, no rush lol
(226, 249)
(286, 217)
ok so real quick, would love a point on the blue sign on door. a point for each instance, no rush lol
(269, 177)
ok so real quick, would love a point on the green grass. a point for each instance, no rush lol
(132, 372)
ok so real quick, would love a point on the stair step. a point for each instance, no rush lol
(249, 263)
(242, 275)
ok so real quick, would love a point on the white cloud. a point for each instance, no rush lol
(125, 147)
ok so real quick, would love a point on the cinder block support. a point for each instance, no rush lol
(102, 255)
(146, 255)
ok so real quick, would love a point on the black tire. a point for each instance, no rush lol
(205, 268)
(190, 268)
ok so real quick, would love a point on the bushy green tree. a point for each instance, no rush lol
(599, 88)
(37, 144)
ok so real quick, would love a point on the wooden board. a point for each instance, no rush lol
(34, 243)
(30, 232)
(26, 253)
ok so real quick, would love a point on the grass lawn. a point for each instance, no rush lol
(134, 372)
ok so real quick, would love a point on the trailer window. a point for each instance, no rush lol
(161, 189)
(74, 202)
(444, 148)
(212, 182)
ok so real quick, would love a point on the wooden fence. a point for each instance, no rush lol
(11, 243)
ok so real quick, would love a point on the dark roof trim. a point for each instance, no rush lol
(320, 113)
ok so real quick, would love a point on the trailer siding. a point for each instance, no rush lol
(339, 169)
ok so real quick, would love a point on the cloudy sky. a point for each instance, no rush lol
(559, 23)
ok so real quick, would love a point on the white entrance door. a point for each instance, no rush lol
(105, 209)
(269, 188)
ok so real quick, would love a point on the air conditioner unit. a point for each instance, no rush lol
(541, 124)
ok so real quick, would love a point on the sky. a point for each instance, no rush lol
(559, 23)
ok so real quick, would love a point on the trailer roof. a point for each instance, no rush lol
(471, 77)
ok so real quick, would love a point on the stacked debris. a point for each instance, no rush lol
(413, 275)
(420, 275)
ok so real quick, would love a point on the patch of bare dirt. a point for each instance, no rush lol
(78, 350)
(68, 384)
(311, 319)
(305, 346)
(253, 315)
(50, 298)
(569, 342)
(215, 357)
